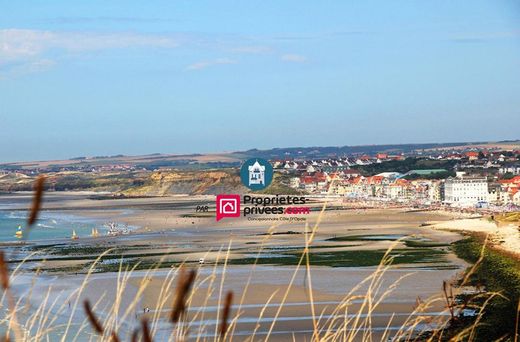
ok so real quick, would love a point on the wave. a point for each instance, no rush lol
(17, 215)
(44, 225)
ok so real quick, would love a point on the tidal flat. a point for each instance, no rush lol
(254, 259)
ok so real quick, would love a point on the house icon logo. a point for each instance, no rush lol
(227, 206)
(256, 173)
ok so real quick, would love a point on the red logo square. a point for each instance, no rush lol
(228, 206)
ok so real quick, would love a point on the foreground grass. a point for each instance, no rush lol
(499, 273)
(496, 322)
(21, 322)
(52, 319)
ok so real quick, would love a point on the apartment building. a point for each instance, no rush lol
(464, 190)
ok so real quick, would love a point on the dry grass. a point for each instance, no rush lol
(47, 321)
(51, 320)
(37, 200)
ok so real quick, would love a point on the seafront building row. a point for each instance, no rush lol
(462, 190)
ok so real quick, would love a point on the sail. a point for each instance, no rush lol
(19, 232)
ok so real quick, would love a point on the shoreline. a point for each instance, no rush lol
(342, 245)
(177, 213)
(504, 237)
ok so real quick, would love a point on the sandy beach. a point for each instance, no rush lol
(503, 236)
(168, 228)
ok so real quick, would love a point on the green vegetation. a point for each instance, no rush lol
(101, 267)
(424, 243)
(81, 249)
(353, 258)
(497, 272)
(434, 175)
(199, 215)
(508, 175)
(289, 232)
(383, 237)
(406, 165)
(91, 253)
(144, 257)
(73, 182)
(114, 181)
(409, 242)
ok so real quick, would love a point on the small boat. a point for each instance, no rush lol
(19, 233)
(74, 235)
(94, 233)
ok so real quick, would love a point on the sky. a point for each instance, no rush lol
(90, 78)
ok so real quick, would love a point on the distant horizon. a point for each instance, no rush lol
(112, 155)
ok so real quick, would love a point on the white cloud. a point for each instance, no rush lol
(293, 58)
(25, 51)
(206, 64)
(20, 44)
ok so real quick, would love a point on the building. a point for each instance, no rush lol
(496, 195)
(510, 187)
(351, 173)
(294, 182)
(397, 189)
(464, 190)
(472, 155)
(308, 184)
(435, 191)
(510, 168)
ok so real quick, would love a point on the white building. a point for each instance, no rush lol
(434, 191)
(294, 182)
(311, 169)
(511, 168)
(465, 190)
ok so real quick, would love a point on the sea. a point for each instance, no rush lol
(50, 225)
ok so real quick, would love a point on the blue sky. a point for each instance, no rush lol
(100, 78)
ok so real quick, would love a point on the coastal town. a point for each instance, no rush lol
(477, 179)
(467, 177)
(274, 171)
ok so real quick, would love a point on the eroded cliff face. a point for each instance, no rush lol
(162, 183)
(146, 183)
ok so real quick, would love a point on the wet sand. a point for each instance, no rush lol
(258, 307)
(168, 225)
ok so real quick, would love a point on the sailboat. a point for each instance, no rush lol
(74, 235)
(19, 232)
(94, 233)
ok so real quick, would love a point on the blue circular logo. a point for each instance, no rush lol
(256, 173)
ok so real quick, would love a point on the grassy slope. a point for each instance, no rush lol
(498, 273)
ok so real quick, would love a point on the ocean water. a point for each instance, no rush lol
(49, 226)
